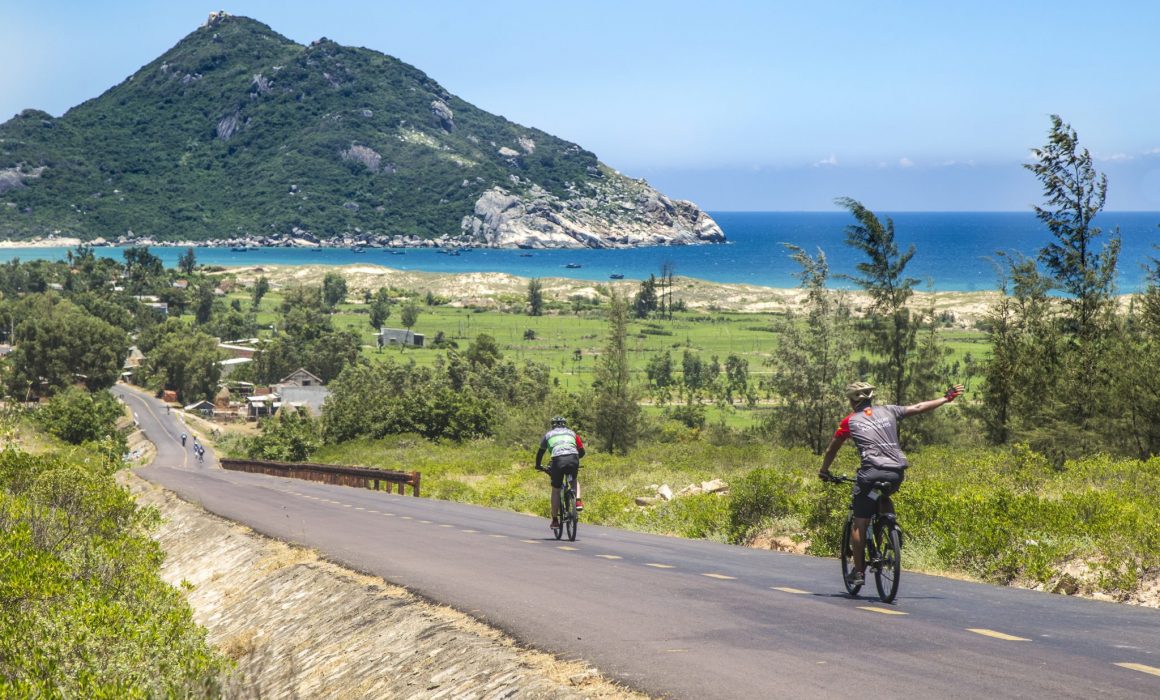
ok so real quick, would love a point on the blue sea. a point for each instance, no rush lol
(954, 251)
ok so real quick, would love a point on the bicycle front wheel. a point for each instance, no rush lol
(847, 556)
(886, 575)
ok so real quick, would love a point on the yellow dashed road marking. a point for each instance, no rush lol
(374, 511)
(531, 541)
(887, 611)
(472, 531)
(360, 508)
(723, 577)
(1141, 668)
(566, 548)
(784, 589)
(425, 522)
(608, 556)
(997, 635)
(407, 517)
(660, 566)
(499, 536)
(446, 525)
(346, 505)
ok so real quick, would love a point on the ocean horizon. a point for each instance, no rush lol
(954, 251)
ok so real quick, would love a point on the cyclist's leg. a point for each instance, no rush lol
(858, 543)
(573, 472)
(556, 473)
(864, 508)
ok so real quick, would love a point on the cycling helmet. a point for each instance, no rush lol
(559, 422)
(858, 392)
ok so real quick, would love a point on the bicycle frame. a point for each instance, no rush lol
(882, 541)
(569, 517)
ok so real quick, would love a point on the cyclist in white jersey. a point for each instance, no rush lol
(566, 449)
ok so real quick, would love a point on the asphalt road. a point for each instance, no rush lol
(689, 619)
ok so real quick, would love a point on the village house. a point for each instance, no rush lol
(398, 336)
(301, 389)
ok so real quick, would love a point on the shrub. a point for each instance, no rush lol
(83, 609)
(75, 416)
(760, 497)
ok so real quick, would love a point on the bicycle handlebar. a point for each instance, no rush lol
(837, 478)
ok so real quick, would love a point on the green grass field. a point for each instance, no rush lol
(568, 342)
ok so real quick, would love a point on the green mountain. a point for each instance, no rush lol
(238, 131)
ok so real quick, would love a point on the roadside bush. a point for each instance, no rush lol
(760, 497)
(75, 416)
(83, 609)
(288, 437)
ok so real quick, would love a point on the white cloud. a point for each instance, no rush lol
(905, 162)
(1115, 157)
(832, 160)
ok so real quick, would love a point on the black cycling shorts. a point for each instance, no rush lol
(864, 505)
(564, 464)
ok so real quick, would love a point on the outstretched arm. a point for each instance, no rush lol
(539, 456)
(925, 406)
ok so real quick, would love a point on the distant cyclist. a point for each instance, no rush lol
(566, 449)
(183, 439)
(875, 433)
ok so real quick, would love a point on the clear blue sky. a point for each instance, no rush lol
(759, 105)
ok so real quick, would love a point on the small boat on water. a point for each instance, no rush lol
(240, 249)
(525, 255)
(454, 253)
(573, 266)
(398, 252)
(616, 276)
(357, 249)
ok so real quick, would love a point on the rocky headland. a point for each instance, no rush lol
(255, 140)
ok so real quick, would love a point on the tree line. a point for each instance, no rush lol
(1070, 371)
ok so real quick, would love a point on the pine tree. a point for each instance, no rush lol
(812, 362)
(890, 331)
(535, 297)
(616, 421)
(1075, 194)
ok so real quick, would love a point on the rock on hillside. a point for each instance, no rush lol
(239, 133)
(618, 213)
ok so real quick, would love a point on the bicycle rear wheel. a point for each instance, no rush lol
(847, 556)
(889, 545)
(570, 516)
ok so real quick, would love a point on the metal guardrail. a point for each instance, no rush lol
(364, 477)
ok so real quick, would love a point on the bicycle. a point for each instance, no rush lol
(883, 545)
(569, 516)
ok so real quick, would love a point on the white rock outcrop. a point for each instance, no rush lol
(618, 213)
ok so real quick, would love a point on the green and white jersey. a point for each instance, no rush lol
(560, 441)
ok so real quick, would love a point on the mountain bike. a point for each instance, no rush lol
(883, 545)
(569, 516)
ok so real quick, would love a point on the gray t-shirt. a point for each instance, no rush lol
(875, 433)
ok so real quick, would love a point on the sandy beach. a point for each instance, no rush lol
(493, 289)
(43, 243)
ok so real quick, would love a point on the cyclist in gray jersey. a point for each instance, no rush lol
(566, 449)
(875, 433)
